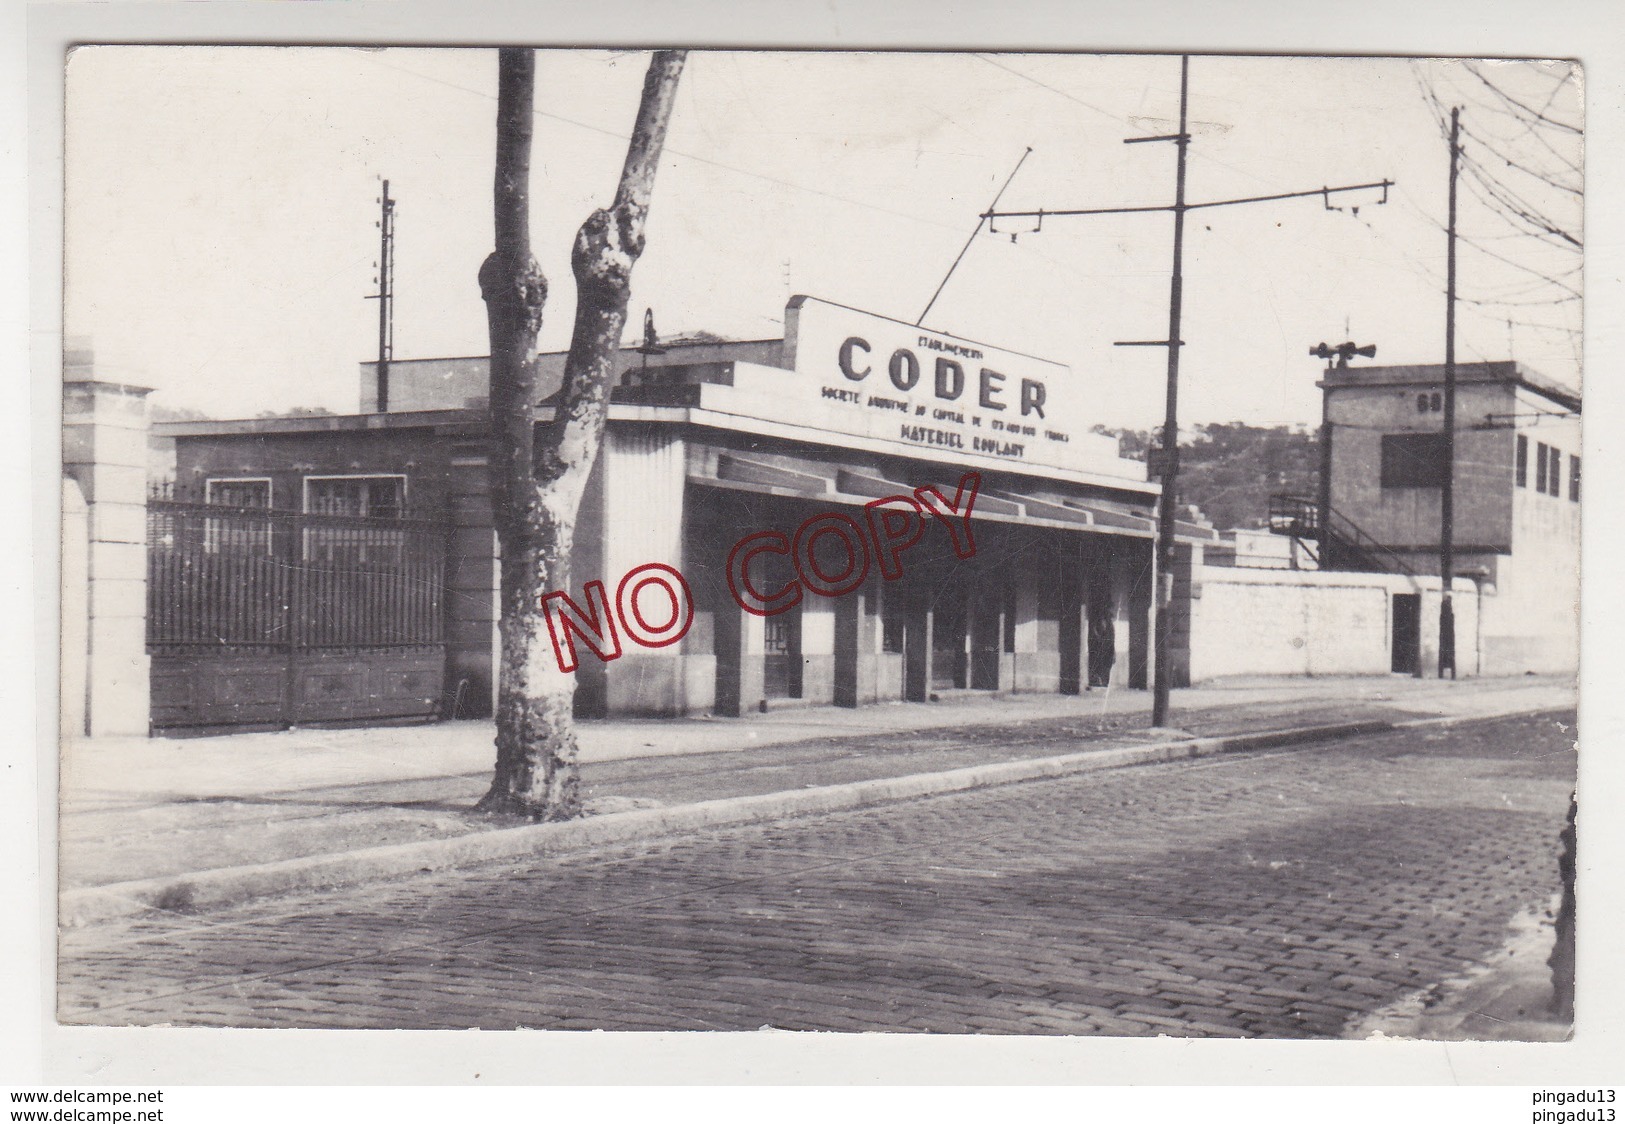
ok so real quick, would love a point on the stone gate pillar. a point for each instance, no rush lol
(104, 451)
(75, 631)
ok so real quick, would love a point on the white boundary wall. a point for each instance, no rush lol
(1305, 622)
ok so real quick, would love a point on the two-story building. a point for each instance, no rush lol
(1516, 493)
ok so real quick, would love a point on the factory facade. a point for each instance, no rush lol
(708, 443)
(343, 568)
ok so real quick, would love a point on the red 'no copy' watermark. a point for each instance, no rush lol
(654, 607)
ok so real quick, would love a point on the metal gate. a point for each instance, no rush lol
(267, 618)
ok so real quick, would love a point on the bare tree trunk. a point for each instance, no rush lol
(538, 474)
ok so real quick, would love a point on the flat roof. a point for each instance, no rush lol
(324, 423)
(477, 422)
(1432, 374)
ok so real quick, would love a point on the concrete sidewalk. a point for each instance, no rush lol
(1508, 998)
(165, 822)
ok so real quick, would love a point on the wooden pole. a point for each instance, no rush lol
(1447, 497)
(1170, 429)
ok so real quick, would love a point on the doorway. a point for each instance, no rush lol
(948, 634)
(986, 642)
(781, 655)
(1407, 655)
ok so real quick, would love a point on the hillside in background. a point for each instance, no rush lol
(1229, 470)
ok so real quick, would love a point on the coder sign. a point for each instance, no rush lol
(920, 388)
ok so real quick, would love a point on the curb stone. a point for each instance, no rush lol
(228, 886)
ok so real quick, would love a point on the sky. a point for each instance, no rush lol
(221, 207)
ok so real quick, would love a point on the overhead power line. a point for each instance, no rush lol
(1052, 89)
(1519, 265)
(1490, 190)
(669, 150)
(1502, 197)
(1534, 114)
(1041, 214)
(1117, 117)
(1167, 451)
(1506, 204)
(1486, 302)
(1511, 163)
(1527, 123)
(1541, 139)
(1544, 327)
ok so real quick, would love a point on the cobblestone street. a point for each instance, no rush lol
(1275, 894)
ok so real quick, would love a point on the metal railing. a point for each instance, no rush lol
(1341, 540)
(234, 577)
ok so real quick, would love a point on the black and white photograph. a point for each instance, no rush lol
(1072, 545)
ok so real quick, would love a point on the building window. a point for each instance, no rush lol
(1414, 460)
(1523, 461)
(1574, 479)
(1548, 469)
(236, 533)
(360, 503)
(1429, 403)
(369, 497)
(776, 636)
(252, 491)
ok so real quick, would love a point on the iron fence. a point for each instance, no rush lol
(222, 576)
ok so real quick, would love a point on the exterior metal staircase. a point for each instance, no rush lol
(1339, 545)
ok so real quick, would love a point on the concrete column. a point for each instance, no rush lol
(1024, 660)
(917, 646)
(1187, 589)
(739, 637)
(1074, 674)
(869, 644)
(1140, 579)
(854, 663)
(1007, 620)
(104, 451)
(472, 647)
(985, 624)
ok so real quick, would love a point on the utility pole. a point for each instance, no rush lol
(1167, 452)
(385, 296)
(1160, 684)
(1323, 485)
(1447, 497)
